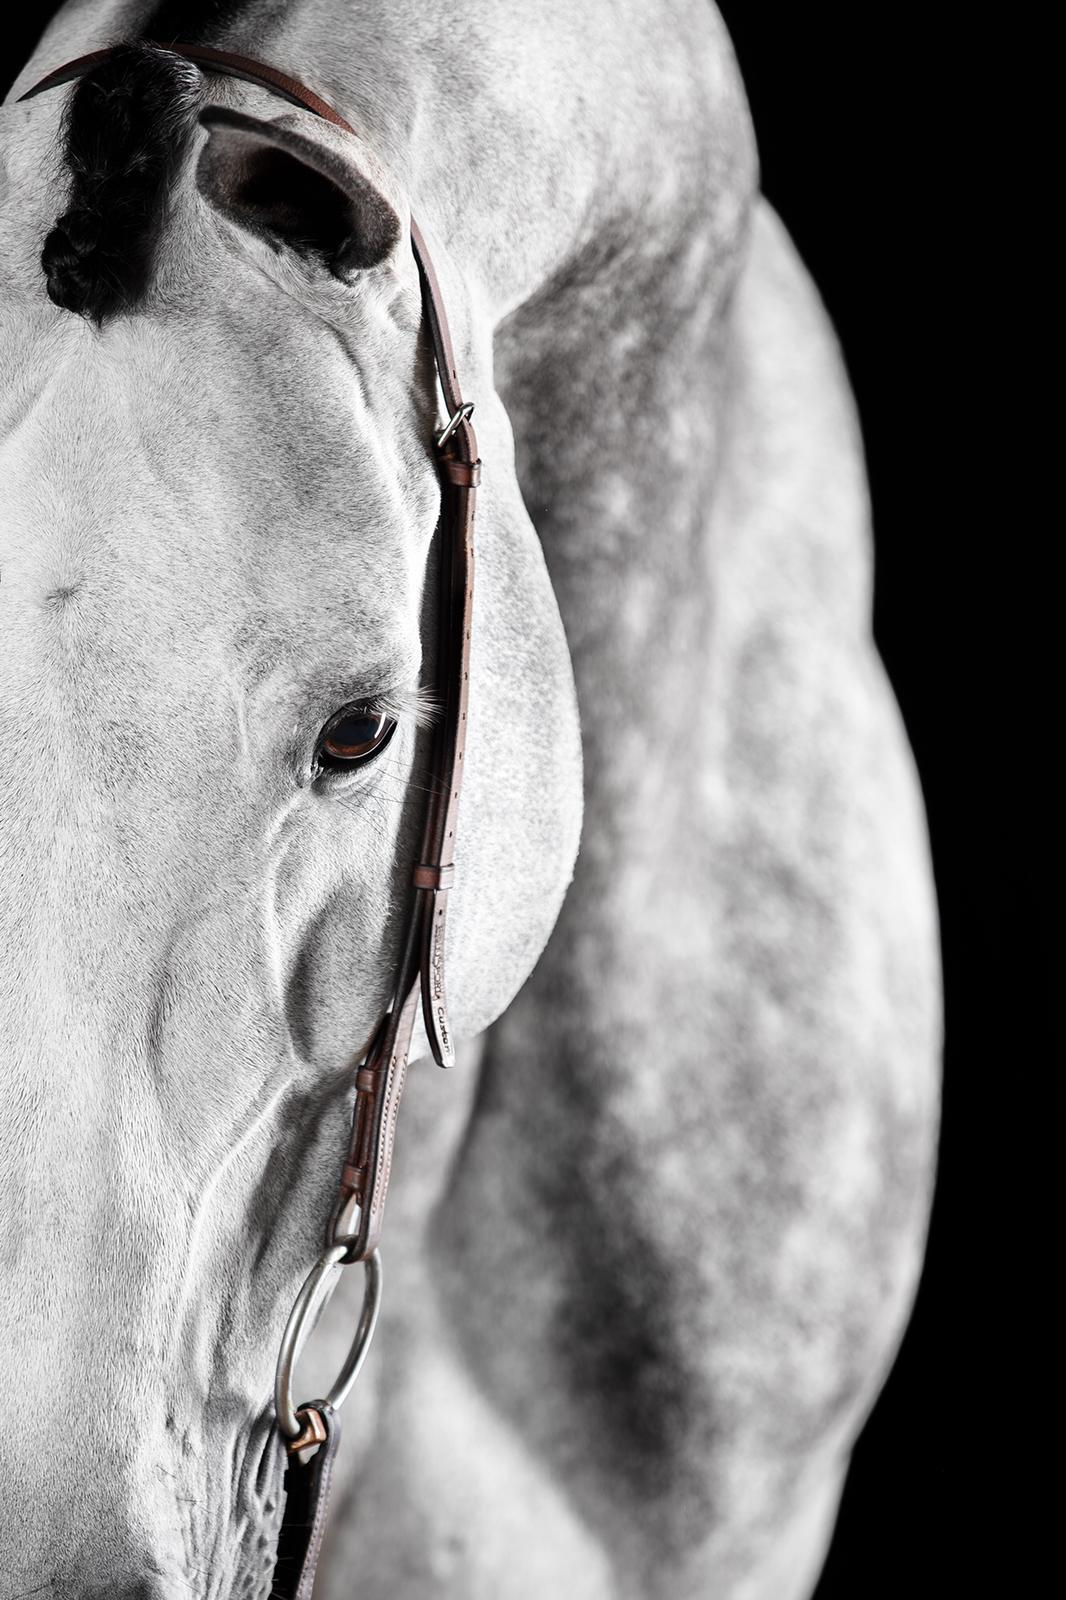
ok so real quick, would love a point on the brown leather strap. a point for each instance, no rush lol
(202, 55)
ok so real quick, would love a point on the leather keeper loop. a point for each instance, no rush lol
(433, 877)
(465, 475)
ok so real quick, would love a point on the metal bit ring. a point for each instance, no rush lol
(317, 1287)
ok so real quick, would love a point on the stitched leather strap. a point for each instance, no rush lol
(307, 1486)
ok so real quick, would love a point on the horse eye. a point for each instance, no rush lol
(352, 737)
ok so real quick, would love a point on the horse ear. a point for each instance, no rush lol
(309, 194)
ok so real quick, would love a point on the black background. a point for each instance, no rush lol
(887, 147)
(893, 143)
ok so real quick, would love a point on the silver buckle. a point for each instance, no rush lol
(465, 410)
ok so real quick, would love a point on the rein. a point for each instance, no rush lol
(312, 1430)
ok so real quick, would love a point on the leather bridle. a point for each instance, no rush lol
(355, 1224)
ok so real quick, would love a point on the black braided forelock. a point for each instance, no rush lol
(125, 128)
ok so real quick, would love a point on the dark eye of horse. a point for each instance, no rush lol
(352, 737)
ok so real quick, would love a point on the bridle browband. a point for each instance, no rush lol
(355, 1224)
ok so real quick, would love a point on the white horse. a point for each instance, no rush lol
(651, 1246)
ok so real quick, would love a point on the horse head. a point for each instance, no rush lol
(217, 581)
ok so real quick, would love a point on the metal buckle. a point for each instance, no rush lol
(465, 411)
(317, 1288)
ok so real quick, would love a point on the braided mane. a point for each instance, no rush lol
(126, 127)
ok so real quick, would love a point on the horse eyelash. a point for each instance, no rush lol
(419, 706)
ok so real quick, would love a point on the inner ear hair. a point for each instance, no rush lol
(297, 192)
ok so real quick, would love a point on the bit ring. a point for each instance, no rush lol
(317, 1288)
